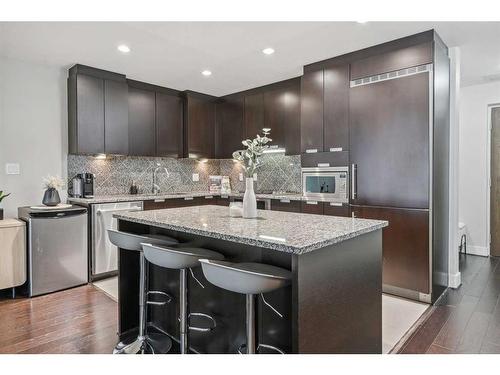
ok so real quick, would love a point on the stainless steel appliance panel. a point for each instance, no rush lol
(330, 183)
(104, 253)
(58, 252)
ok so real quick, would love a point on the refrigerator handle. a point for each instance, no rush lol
(354, 177)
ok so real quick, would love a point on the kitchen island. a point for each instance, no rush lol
(333, 305)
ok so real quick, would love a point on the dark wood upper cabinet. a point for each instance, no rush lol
(200, 125)
(230, 128)
(406, 246)
(311, 114)
(116, 117)
(169, 125)
(86, 114)
(141, 125)
(389, 142)
(254, 114)
(282, 115)
(391, 61)
(336, 108)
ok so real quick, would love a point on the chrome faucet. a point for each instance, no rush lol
(156, 187)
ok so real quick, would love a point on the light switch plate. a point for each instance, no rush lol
(12, 168)
(240, 176)
(196, 177)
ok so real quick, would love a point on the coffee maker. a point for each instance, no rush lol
(87, 184)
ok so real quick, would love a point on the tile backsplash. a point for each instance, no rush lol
(114, 175)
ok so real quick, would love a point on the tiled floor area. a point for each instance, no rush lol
(398, 316)
(108, 286)
(467, 319)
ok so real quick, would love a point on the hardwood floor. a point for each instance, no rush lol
(78, 320)
(467, 319)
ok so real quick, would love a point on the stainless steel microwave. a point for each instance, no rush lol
(323, 183)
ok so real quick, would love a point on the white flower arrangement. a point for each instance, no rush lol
(250, 158)
(53, 182)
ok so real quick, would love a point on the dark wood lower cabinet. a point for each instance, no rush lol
(285, 205)
(405, 246)
(312, 207)
(333, 209)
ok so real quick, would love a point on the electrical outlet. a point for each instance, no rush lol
(12, 168)
(255, 176)
(196, 177)
(240, 177)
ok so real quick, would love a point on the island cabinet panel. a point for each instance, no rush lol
(87, 121)
(199, 122)
(335, 209)
(141, 125)
(285, 205)
(336, 294)
(254, 114)
(336, 108)
(312, 207)
(311, 113)
(169, 125)
(391, 61)
(389, 142)
(230, 126)
(116, 117)
(405, 246)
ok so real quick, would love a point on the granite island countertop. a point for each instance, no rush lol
(282, 231)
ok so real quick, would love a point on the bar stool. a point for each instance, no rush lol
(249, 279)
(182, 258)
(145, 342)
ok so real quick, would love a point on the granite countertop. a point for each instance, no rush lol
(282, 231)
(143, 197)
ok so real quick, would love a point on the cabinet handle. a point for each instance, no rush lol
(188, 198)
(311, 150)
(224, 196)
(336, 204)
(159, 200)
(323, 165)
(335, 149)
(285, 200)
(311, 202)
(354, 171)
(208, 196)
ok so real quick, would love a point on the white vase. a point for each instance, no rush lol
(249, 200)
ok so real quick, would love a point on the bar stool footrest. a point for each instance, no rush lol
(168, 298)
(207, 317)
(243, 348)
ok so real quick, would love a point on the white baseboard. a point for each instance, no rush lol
(483, 251)
(454, 280)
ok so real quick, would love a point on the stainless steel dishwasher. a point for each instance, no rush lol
(57, 248)
(104, 255)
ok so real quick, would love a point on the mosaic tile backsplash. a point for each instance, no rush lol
(114, 175)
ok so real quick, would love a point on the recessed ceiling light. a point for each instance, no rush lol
(361, 21)
(206, 73)
(268, 51)
(124, 48)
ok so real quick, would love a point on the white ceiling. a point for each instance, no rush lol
(174, 54)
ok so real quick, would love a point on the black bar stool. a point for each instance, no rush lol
(182, 258)
(145, 342)
(249, 279)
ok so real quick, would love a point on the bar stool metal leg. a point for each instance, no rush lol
(250, 323)
(183, 310)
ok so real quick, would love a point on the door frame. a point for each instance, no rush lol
(488, 175)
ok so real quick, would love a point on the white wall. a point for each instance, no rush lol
(33, 129)
(473, 172)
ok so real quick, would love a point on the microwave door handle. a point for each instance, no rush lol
(354, 177)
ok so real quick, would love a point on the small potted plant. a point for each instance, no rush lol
(51, 195)
(250, 159)
(2, 197)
